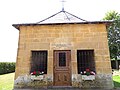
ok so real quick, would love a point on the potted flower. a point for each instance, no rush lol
(88, 74)
(37, 75)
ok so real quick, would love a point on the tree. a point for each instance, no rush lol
(114, 35)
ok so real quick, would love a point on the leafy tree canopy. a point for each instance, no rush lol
(112, 15)
(113, 34)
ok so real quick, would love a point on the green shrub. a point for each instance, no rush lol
(7, 67)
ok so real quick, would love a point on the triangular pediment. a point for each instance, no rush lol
(62, 17)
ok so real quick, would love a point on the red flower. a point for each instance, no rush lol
(37, 73)
(34, 72)
(87, 70)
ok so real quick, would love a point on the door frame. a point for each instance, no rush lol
(54, 66)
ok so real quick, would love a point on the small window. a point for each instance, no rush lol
(62, 59)
(39, 61)
(85, 59)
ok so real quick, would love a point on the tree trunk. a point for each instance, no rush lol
(116, 63)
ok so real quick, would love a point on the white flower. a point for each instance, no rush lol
(42, 72)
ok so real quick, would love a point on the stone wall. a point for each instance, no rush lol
(65, 37)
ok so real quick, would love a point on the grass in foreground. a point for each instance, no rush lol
(116, 80)
(6, 81)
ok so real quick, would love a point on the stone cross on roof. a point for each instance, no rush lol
(63, 4)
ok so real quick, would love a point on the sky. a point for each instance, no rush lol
(32, 11)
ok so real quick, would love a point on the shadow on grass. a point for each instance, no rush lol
(116, 84)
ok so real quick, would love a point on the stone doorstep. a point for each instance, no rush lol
(63, 88)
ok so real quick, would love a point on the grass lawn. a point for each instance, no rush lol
(6, 81)
(116, 80)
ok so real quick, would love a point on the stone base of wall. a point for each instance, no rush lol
(27, 82)
(102, 81)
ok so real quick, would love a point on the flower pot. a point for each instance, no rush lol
(90, 77)
(40, 77)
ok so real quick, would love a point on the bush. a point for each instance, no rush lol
(7, 67)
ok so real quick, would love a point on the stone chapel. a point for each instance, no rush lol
(63, 50)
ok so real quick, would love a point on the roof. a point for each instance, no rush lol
(62, 17)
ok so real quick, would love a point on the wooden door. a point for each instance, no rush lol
(62, 68)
